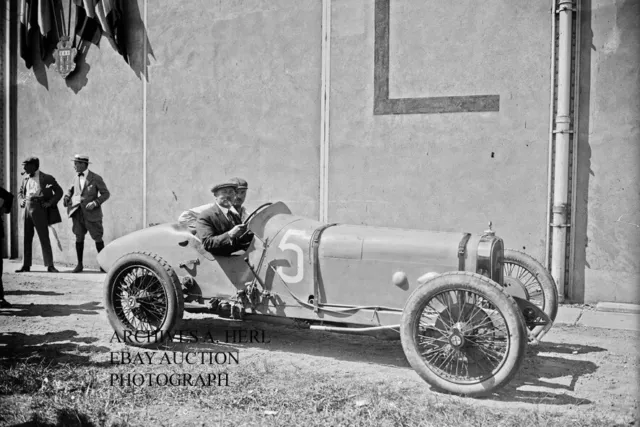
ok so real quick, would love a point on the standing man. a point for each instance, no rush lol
(39, 196)
(6, 202)
(83, 202)
(220, 228)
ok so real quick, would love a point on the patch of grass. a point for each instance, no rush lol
(260, 392)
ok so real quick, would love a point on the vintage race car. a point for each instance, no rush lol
(463, 307)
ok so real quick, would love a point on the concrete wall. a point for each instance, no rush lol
(608, 202)
(234, 89)
(97, 112)
(454, 171)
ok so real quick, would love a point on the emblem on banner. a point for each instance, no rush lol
(65, 57)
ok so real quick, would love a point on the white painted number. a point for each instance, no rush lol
(284, 246)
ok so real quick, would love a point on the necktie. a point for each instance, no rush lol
(81, 174)
(234, 218)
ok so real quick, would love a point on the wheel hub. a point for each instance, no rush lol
(456, 338)
(133, 302)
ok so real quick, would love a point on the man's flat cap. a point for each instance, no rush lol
(31, 159)
(226, 184)
(240, 183)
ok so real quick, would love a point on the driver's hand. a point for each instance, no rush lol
(237, 230)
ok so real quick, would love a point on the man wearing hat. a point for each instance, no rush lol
(83, 201)
(219, 227)
(39, 196)
(190, 216)
(241, 195)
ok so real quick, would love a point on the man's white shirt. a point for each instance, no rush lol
(33, 184)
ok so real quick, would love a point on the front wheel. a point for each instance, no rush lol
(533, 279)
(143, 299)
(463, 334)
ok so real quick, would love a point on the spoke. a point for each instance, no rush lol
(435, 328)
(429, 340)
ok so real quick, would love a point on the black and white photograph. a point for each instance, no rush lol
(320, 213)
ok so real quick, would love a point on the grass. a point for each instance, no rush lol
(261, 392)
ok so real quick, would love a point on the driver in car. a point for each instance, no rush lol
(219, 227)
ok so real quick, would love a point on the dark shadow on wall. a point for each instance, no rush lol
(78, 78)
(583, 167)
(136, 46)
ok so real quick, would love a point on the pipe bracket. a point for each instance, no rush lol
(563, 131)
(560, 225)
(563, 8)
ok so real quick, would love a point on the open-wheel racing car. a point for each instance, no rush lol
(463, 306)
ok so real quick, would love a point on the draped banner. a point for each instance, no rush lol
(43, 25)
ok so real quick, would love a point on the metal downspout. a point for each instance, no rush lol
(325, 94)
(562, 133)
(7, 122)
(552, 99)
(144, 120)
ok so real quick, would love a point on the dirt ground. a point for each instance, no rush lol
(574, 369)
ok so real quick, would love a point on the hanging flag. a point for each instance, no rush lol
(44, 16)
(97, 17)
(25, 26)
(37, 27)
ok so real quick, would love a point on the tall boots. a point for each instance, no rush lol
(79, 253)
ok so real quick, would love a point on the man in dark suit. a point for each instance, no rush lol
(83, 202)
(6, 202)
(39, 196)
(219, 227)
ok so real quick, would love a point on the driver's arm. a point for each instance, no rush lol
(213, 239)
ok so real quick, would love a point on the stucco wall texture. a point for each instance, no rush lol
(234, 89)
(608, 196)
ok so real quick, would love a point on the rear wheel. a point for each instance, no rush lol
(525, 272)
(144, 300)
(463, 334)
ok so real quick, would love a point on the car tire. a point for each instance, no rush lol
(143, 299)
(541, 288)
(465, 335)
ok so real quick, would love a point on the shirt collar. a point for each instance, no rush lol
(36, 174)
(86, 172)
(223, 209)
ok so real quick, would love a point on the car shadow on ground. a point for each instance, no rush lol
(50, 348)
(547, 378)
(291, 339)
(51, 310)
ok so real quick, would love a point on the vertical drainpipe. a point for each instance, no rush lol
(7, 121)
(562, 133)
(144, 117)
(552, 99)
(325, 93)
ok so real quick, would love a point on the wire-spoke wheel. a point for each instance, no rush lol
(463, 334)
(144, 299)
(531, 276)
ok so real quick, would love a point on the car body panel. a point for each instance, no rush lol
(354, 265)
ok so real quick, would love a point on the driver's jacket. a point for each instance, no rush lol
(212, 228)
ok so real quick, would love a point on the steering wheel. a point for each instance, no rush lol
(255, 212)
(252, 215)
